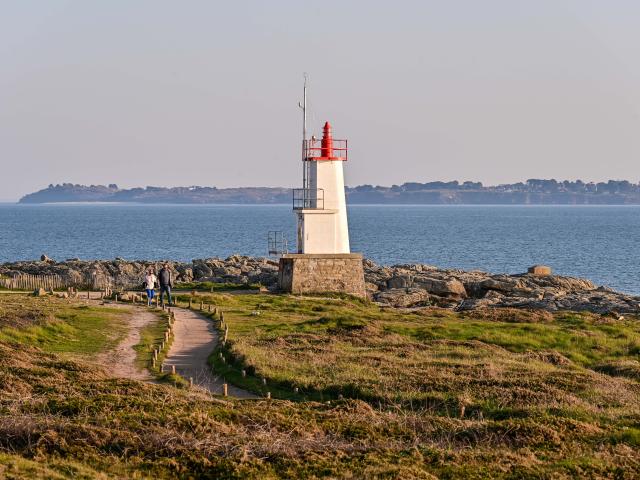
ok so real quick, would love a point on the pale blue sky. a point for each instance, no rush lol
(204, 93)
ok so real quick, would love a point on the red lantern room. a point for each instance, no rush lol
(327, 149)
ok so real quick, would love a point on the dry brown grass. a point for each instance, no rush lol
(428, 407)
(22, 311)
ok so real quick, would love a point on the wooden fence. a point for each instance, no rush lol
(26, 281)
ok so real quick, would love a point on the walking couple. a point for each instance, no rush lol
(163, 280)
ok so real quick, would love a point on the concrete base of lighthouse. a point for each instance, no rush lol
(322, 272)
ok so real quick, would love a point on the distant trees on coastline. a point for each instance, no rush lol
(533, 191)
(532, 185)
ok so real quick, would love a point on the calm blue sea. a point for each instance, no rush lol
(599, 243)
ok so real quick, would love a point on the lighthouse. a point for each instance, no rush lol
(320, 205)
(323, 262)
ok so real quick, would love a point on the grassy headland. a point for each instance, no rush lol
(421, 394)
(56, 325)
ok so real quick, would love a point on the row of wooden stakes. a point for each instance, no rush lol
(165, 343)
(224, 326)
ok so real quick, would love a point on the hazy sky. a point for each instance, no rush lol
(205, 93)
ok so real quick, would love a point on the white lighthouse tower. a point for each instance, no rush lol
(323, 262)
(320, 205)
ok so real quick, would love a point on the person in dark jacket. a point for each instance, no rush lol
(164, 278)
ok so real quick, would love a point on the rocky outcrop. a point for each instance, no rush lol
(401, 286)
(397, 285)
(129, 274)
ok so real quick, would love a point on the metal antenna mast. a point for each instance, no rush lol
(303, 106)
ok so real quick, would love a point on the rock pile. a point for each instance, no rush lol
(417, 285)
(130, 274)
(402, 286)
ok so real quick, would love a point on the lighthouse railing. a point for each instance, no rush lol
(308, 198)
(312, 149)
(277, 243)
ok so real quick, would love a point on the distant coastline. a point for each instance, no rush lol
(531, 192)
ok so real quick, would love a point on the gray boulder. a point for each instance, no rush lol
(446, 287)
(400, 297)
(400, 281)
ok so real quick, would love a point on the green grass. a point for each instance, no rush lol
(151, 337)
(436, 358)
(215, 287)
(75, 329)
(582, 337)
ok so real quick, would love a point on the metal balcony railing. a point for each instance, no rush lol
(312, 149)
(308, 198)
(277, 243)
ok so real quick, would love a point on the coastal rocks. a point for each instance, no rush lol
(448, 287)
(201, 269)
(123, 274)
(400, 281)
(403, 297)
(185, 274)
(44, 258)
(398, 286)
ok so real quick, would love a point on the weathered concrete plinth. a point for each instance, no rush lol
(318, 273)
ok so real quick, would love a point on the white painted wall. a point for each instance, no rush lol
(326, 231)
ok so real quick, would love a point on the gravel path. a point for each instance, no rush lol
(194, 339)
(121, 361)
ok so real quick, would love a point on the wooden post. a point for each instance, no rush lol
(209, 308)
(201, 305)
(173, 369)
(88, 295)
(225, 391)
(295, 390)
(244, 373)
(156, 302)
(190, 381)
(153, 363)
(264, 381)
(268, 395)
(116, 298)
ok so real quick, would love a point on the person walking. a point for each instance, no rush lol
(150, 284)
(164, 277)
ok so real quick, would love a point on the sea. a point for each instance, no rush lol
(595, 242)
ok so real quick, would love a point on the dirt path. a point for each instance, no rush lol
(194, 340)
(121, 361)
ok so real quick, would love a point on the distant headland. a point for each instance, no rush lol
(531, 192)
